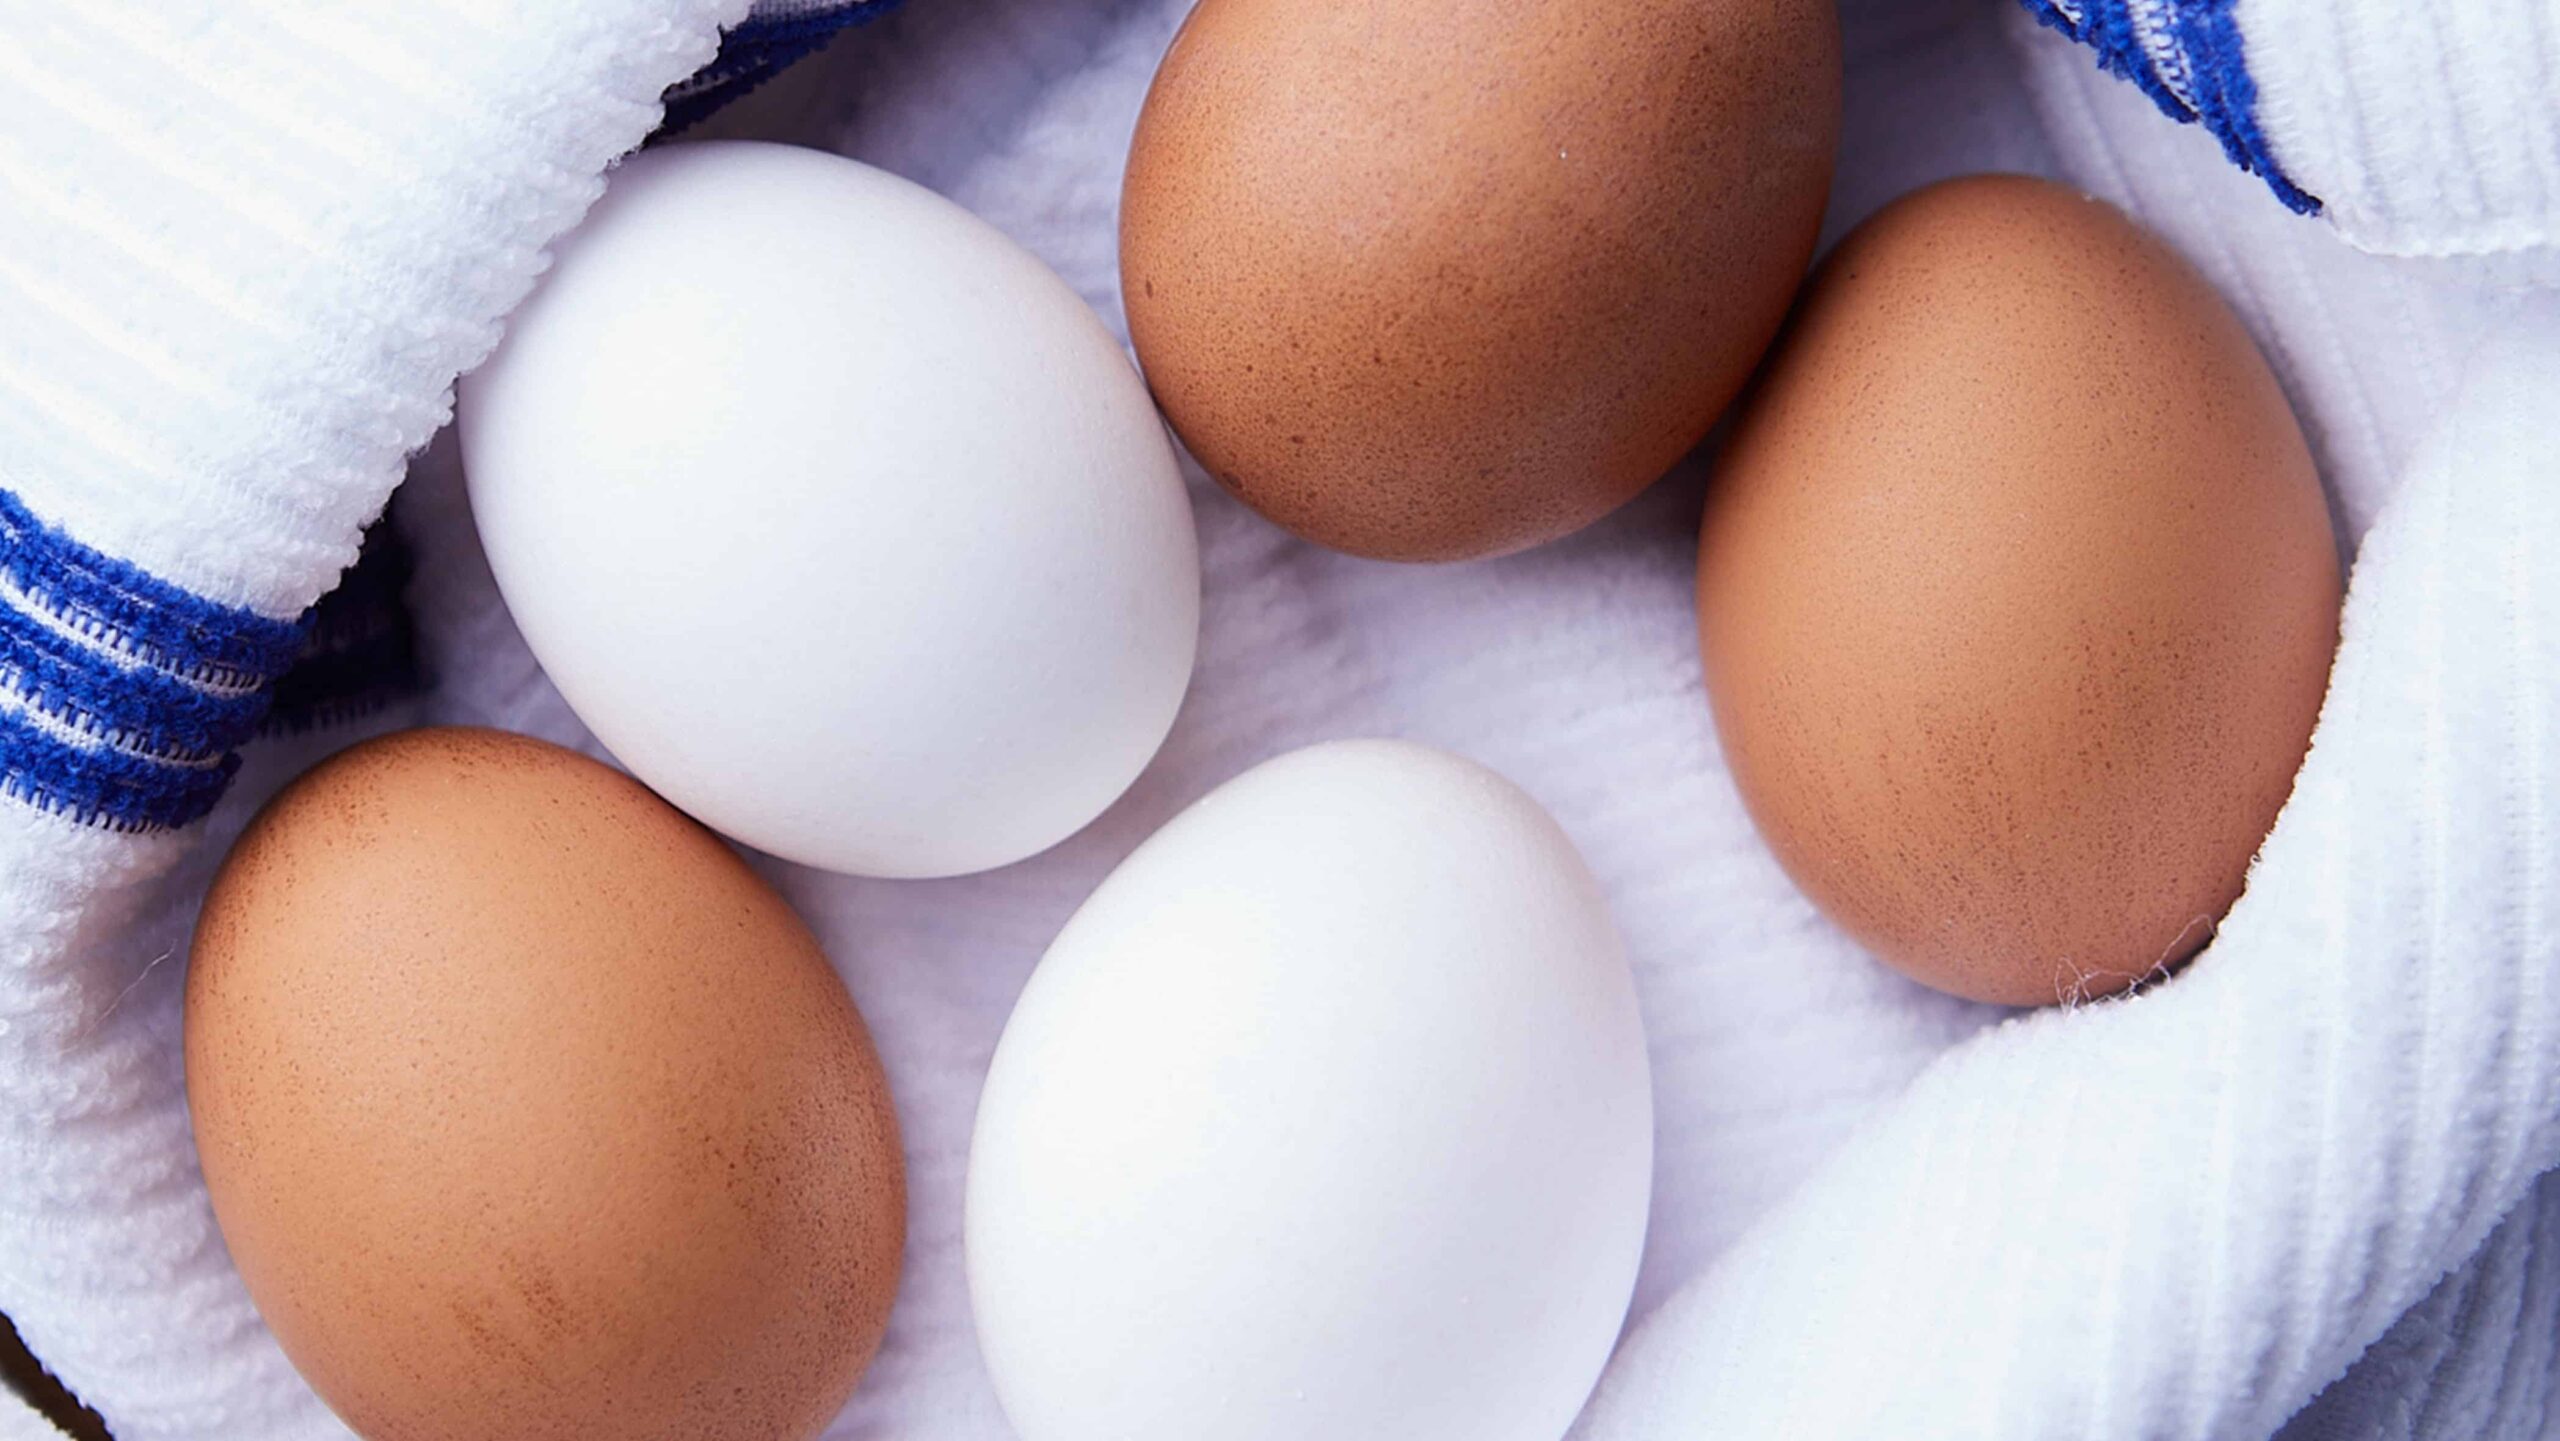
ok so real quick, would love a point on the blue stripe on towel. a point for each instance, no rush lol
(760, 47)
(123, 698)
(2189, 57)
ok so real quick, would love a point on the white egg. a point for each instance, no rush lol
(835, 514)
(1327, 1116)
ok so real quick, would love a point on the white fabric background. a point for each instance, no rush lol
(1571, 669)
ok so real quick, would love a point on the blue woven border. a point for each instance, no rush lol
(122, 697)
(164, 625)
(2189, 57)
(757, 49)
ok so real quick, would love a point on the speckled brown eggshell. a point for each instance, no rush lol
(528, 1111)
(2017, 594)
(1440, 279)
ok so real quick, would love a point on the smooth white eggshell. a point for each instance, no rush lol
(835, 514)
(1327, 1116)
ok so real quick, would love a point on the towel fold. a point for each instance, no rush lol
(2178, 1216)
(2416, 129)
(245, 247)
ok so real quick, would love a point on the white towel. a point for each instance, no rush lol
(2416, 129)
(192, 411)
(245, 246)
(2180, 1215)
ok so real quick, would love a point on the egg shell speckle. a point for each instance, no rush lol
(529, 1111)
(1439, 279)
(2017, 594)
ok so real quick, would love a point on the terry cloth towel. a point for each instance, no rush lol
(246, 244)
(2418, 129)
(2177, 1216)
(244, 250)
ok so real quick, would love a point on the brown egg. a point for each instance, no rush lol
(2017, 595)
(1440, 279)
(529, 1112)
